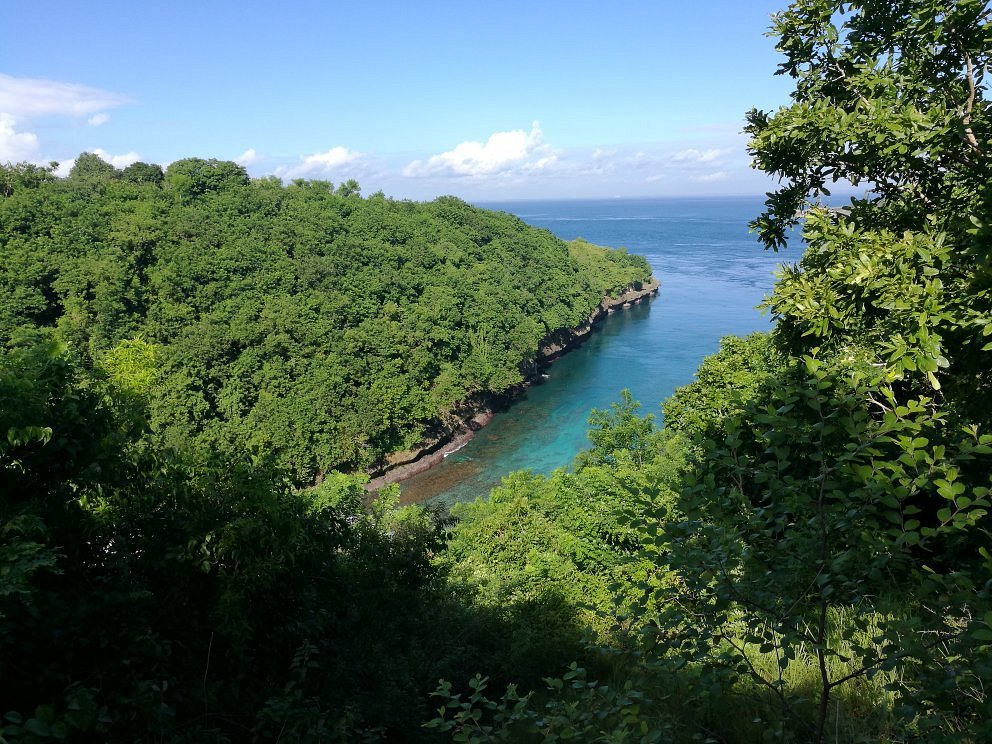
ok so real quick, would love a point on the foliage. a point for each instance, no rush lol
(887, 95)
(827, 555)
(147, 594)
(852, 480)
(803, 550)
(298, 321)
(811, 504)
(23, 175)
(576, 709)
(725, 383)
(562, 546)
(143, 173)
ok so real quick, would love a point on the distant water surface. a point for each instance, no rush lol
(713, 275)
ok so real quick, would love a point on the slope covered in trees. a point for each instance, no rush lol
(822, 566)
(297, 321)
(147, 595)
(801, 552)
(181, 351)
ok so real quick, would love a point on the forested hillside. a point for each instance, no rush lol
(300, 322)
(799, 552)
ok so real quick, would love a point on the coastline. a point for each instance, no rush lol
(475, 414)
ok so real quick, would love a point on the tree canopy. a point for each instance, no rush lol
(800, 553)
(301, 321)
(827, 554)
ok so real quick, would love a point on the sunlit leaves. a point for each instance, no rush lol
(299, 320)
(888, 96)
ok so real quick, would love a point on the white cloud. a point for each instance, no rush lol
(322, 164)
(16, 146)
(118, 161)
(710, 177)
(333, 158)
(544, 163)
(502, 153)
(614, 161)
(27, 98)
(640, 159)
(699, 157)
(248, 157)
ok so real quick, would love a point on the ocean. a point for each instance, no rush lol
(713, 276)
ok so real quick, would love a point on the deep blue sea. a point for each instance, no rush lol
(713, 275)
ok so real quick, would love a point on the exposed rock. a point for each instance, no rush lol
(555, 344)
(402, 465)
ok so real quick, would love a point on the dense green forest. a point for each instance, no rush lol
(799, 552)
(299, 322)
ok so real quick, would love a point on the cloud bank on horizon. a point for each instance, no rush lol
(507, 163)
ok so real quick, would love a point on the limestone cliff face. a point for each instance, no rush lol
(473, 414)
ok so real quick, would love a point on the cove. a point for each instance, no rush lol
(713, 274)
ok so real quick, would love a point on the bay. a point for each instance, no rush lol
(713, 275)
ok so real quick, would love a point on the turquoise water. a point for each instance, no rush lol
(713, 273)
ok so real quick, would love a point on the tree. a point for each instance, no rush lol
(297, 320)
(839, 520)
(26, 175)
(890, 96)
(348, 188)
(833, 537)
(145, 595)
(192, 177)
(143, 173)
(90, 168)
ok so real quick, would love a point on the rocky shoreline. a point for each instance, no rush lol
(476, 414)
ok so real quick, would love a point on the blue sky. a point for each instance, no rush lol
(484, 100)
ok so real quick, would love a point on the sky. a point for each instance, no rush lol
(484, 100)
